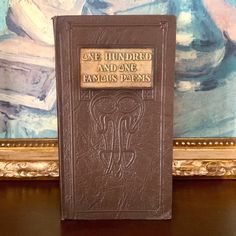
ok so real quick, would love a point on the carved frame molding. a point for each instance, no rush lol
(38, 158)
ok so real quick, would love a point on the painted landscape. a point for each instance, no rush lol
(205, 86)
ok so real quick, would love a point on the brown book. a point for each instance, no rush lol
(115, 77)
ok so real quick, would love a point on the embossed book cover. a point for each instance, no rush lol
(115, 80)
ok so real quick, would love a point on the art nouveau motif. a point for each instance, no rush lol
(118, 117)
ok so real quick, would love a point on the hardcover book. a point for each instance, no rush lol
(115, 82)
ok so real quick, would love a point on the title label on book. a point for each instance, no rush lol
(116, 68)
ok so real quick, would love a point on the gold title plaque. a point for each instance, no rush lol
(116, 68)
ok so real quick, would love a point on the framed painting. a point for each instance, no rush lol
(205, 97)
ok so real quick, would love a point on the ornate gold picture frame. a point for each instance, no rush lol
(38, 158)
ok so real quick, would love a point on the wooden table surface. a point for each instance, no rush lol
(200, 207)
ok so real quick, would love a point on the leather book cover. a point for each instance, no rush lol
(115, 83)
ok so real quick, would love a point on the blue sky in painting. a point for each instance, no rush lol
(232, 2)
(3, 12)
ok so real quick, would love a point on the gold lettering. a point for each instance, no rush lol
(135, 78)
(97, 78)
(107, 68)
(128, 67)
(116, 68)
(127, 56)
(92, 56)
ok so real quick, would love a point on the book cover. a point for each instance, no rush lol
(115, 83)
